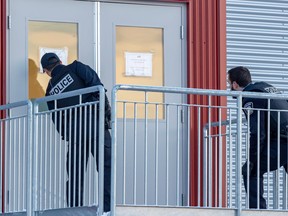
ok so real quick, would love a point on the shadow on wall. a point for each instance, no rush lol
(35, 88)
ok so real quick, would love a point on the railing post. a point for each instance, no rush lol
(239, 155)
(101, 148)
(113, 148)
(29, 176)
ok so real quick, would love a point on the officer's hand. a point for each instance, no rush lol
(245, 167)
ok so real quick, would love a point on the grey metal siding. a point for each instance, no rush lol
(257, 37)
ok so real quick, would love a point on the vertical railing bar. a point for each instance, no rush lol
(19, 137)
(205, 166)
(178, 155)
(220, 160)
(10, 165)
(16, 164)
(70, 177)
(45, 170)
(57, 187)
(80, 152)
(95, 129)
(15, 146)
(209, 154)
(63, 159)
(156, 152)
(135, 154)
(61, 172)
(285, 190)
(54, 158)
(38, 172)
(238, 155)
(6, 163)
(230, 160)
(248, 159)
(101, 148)
(20, 154)
(85, 154)
(90, 151)
(146, 149)
(50, 166)
(278, 160)
(31, 144)
(22, 163)
(73, 160)
(124, 152)
(268, 150)
(114, 149)
(35, 148)
(167, 154)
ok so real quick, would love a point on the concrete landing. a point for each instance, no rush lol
(191, 211)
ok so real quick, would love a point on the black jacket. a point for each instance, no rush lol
(258, 104)
(72, 77)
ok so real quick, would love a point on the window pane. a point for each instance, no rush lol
(139, 61)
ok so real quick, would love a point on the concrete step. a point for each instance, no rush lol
(191, 211)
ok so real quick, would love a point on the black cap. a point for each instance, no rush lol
(49, 59)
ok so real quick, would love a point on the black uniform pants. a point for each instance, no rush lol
(253, 192)
(77, 158)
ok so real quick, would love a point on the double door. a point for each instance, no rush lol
(110, 37)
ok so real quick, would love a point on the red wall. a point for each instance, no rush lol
(207, 70)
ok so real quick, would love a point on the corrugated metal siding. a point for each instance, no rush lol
(257, 37)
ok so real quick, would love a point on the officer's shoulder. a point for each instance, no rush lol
(73, 65)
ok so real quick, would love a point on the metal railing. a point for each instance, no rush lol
(165, 151)
(34, 150)
(155, 136)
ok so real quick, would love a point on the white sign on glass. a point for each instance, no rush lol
(62, 53)
(138, 64)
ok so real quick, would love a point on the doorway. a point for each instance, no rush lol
(144, 44)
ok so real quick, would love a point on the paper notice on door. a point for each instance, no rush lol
(138, 64)
(62, 53)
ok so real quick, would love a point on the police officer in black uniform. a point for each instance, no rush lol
(239, 79)
(77, 126)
